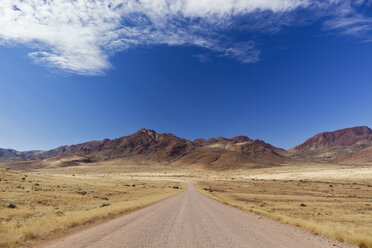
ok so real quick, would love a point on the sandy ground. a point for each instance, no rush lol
(190, 219)
(354, 173)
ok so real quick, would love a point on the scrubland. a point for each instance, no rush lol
(36, 206)
(330, 200)
(339, 209)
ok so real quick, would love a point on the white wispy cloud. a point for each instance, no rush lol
(79, 36)
(350, 25)
(351, 20)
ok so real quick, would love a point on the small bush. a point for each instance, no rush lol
(60, 213)
(105, 205)
(11, 205)
(302, 205)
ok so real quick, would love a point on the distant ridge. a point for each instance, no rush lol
(336, 146)
(342, 137)
(345, 146)
(10, 153)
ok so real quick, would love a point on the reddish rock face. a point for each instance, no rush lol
(211, 141)
(341, 146)
(343, 137)
(241, 139)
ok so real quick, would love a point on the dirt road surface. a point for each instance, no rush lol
(190, 219)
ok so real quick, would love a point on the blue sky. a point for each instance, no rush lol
(280, 71)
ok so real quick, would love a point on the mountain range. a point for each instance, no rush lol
(345, 146)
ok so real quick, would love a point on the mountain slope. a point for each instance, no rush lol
(145, 143)
(334, 146)
(254, 150)
(363, 156)
(9, 153)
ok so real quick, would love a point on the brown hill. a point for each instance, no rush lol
(363, 156)
(243, 145)
(236, 152)
(334, 146)
(146, 144)
(149, 146)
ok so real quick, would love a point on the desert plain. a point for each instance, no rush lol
(334, 201)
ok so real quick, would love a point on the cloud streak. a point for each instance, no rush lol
(79, 36)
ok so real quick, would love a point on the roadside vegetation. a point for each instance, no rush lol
(36, 207)
(338, 209)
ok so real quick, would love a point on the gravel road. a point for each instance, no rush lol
(190, 219)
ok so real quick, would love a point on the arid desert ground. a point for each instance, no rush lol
(44, 204)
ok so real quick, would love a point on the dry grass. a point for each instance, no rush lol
(312, 172)
(342, 211)
(336, 209)
(49, 205)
